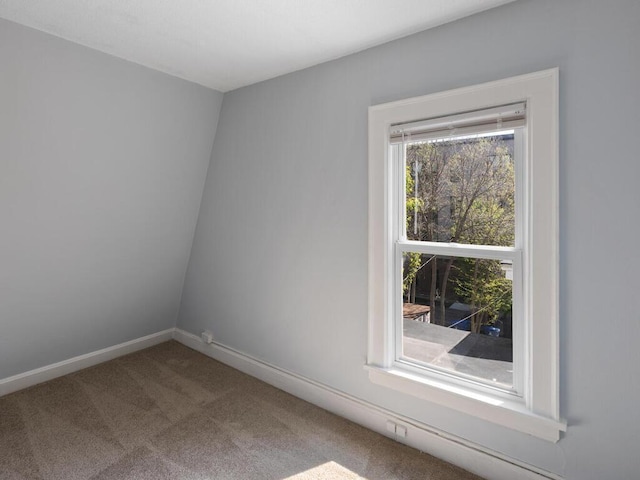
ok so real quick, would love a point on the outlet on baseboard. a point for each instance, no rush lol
(207, 336)
(391, 427)
(398, 431)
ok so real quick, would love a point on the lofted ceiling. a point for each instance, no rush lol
(227, 44)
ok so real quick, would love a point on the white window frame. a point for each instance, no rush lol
(535, 407)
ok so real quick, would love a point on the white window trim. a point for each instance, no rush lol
(536, 412)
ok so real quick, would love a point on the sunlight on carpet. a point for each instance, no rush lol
(326, 471)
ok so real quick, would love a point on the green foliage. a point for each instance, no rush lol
(431, 163)
(482, 193)
(412, 265)
(413, 203)
(413, 259)
(481, 283)
(463, 191)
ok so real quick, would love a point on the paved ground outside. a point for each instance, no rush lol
(482, 356)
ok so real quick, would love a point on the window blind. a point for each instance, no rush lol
(504, 117)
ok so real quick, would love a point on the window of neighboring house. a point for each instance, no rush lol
(463, 250)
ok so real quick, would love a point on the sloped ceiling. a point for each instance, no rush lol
(226, 44)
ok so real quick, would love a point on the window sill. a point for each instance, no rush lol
(508, 413)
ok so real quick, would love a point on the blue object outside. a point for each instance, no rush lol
(465, 324)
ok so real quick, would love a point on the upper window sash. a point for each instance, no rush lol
(398, 161)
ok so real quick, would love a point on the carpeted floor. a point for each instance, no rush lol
(169, 412)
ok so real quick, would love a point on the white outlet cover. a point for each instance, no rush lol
(207, 336)
(391, 427)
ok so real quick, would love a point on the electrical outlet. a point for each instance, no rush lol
(391, 427)
(207, 336)
(398, 431)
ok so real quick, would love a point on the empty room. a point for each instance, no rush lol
(319, 239)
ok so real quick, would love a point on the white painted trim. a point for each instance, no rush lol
(49, 372)
(535, 284)
(509, 413)
(452, 449)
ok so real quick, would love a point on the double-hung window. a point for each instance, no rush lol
(463, 250)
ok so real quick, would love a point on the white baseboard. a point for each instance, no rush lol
(455, 450)
(43, 374)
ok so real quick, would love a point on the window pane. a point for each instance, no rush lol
(461, 190)
(457, 315)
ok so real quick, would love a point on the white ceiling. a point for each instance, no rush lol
(226, 44)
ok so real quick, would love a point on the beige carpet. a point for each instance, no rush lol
(169, 412)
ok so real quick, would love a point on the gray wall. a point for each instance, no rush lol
(279, 262)
(102, 166)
